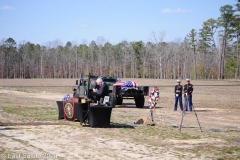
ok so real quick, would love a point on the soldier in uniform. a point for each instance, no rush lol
(178, 95)
(188, 89)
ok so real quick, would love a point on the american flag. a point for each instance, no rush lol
(65, 98)
(129, 85)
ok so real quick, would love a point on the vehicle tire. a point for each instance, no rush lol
(112, 100)
(139, 101)
(119, 100)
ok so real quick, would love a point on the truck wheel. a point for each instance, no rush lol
(119, 100)
(139, 101)
(112, 100)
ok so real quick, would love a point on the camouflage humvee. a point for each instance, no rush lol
(116, 92)
(80, 91)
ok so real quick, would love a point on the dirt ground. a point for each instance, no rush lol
(30, 129)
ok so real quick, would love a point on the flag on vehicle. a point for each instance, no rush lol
(66, 98)
(129, 85)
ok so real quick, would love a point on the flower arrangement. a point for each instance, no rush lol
(153, 98)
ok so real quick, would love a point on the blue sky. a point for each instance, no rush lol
(81, 21)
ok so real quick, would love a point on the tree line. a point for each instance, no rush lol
(211, 52)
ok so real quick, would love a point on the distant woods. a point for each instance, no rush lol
(209, 53)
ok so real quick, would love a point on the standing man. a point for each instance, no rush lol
(102, 91)
(188, 89)
(178, 95)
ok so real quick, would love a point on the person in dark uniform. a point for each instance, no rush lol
(188, 89)
(178, 95)
(102, 91)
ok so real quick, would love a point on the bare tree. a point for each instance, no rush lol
(224, 21)
(159, 50)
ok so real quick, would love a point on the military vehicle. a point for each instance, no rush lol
(80, 91)
(117, 90)
(129, 90)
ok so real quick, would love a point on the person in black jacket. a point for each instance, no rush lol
(178, 95)
(188, 89)
(102, 91)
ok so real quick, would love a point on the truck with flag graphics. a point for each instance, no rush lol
(129, 90)
(118, 90)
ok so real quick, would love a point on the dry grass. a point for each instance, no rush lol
(39, 131)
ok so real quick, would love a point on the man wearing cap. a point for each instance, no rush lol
(102, 91)
(188, 89)
(178, 95)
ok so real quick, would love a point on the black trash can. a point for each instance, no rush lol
(100, 116)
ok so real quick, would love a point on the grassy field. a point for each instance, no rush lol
(29, 124)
